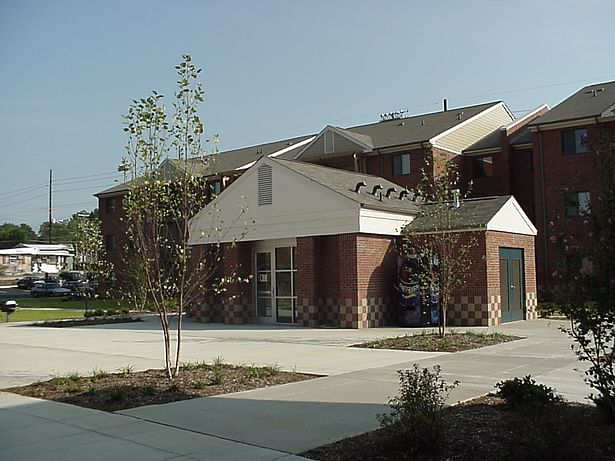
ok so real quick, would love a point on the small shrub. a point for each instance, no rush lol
(173, 388)
(218, 362)
(89, 314)
(255, 372)
(149, 390)
(525, 393)
(198, 384)
(271, 370)
(605, 407)
(546, 309)
(98, 312)
(217, 376)
(111, 312)
(416, 421)
(126, 370)
(188, 366)
(117, 394)
(99, 374)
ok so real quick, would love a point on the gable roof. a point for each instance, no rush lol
(501, 213)
(222, 162)
(590, 101)
(344, 182)
(413, 130)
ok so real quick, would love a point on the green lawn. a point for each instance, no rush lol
(61, 303)
(25, 315)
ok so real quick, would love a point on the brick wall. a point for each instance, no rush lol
(561, 174)
(113, 223)
(345, 280)
(235, 305)
(497, 240)
(478, 302)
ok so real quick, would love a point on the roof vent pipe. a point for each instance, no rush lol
(376, 188)
(360, 184)
(402, 194)
(444, 104)
(390, 190)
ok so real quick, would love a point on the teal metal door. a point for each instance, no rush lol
(512, 288)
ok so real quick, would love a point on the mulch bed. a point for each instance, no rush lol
(87, 322)
(485, 429)
(119, 391)
(432, 342)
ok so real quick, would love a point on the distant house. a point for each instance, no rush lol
(36, 258)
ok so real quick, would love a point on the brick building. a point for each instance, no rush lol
(565, 141)
(322, 250)
(543, 159)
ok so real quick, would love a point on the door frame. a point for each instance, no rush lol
(509, 255)
(269, 246)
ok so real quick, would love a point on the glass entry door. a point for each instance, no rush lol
(276, 274)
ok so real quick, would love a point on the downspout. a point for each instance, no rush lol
(544, 207)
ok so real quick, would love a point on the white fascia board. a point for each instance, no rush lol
(382, 222)
(529, 116)
(434, 140)
(609, 112)
(511, 218)
(279, 152)
(312, 141)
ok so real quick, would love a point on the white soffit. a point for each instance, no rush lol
(511, 218)
(382, 222)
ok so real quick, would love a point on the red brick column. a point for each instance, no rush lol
(309, 273)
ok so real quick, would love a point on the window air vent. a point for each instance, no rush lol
(265, 189)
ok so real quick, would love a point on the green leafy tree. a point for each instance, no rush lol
(443, 253)
(13, 234)
(161, 201)
(585, 288)
(86, 236)
(60, 232)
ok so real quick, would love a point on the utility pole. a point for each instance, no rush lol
(50, 182)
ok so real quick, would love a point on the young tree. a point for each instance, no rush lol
(84, 229)
(162, 200)
(433, 239)
(586, 287)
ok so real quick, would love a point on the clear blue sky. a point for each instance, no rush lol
(271, 69)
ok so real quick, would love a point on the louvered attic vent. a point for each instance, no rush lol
(265, 189)
(329, 142)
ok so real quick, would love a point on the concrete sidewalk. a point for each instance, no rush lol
(270, 423)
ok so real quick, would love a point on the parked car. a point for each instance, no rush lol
(48, 289)
(73, 280)
(28, 281)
